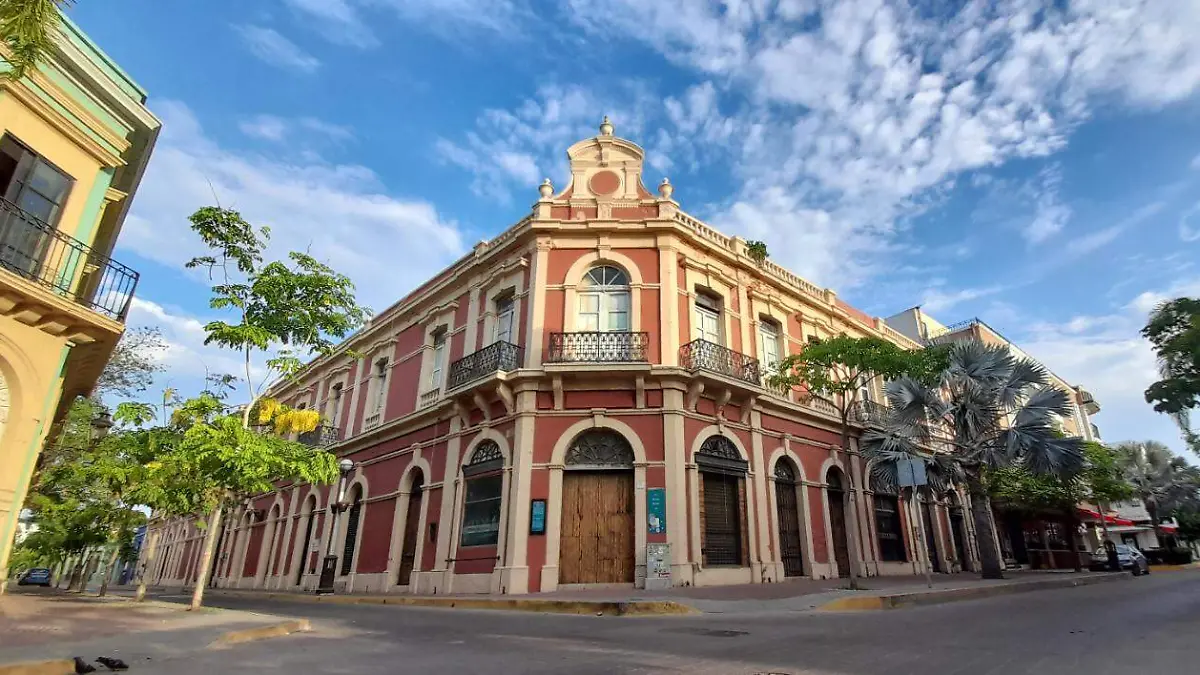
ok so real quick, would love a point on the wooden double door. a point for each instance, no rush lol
(788, 510)
(596, 544)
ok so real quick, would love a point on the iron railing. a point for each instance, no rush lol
(870, 413)
(705, 355)
(36, 251)
(321, 437)
(492, 358)
(597, 347)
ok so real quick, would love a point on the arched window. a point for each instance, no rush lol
(305, 558)
(600, 449)
(484, 475)
(723, 500)
(888, 528)
(604, 300)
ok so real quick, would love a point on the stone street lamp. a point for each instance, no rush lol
(329, 563)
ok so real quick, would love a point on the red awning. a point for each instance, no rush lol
(1167, 528)
(1111, 520)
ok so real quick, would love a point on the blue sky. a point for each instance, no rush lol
(1035, 166)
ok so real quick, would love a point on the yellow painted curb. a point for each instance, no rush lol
(59, 667)
(633, 608)
(938, 596)
(262, 632)
(1174, 568)
(853, 603)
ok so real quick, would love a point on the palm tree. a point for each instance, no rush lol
(1161, 480)
(989, 409)
(27, 29)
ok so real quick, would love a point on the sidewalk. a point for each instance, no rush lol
(50, 625)
(789, 596)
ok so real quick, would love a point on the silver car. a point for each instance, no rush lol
(1129, 558)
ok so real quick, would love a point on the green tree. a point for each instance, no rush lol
(286, 311)
(837, 369)
(27, 29)
(1163, 482)
(1099, 480)
(1174, 331)
(986, 410)
(88, 488)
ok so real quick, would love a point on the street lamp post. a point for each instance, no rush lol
(329, 563)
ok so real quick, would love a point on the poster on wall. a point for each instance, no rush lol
(537, 517)
(658, 566)
(656, 510)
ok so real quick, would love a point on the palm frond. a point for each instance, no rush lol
(1046, 401)
(27, 29)
(1024, 374)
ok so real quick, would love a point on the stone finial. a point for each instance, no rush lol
(606, 127)
(665, 189)
(546, 189)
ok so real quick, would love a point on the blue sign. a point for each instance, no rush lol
(537, 517)
(910, 472)
(656, 510)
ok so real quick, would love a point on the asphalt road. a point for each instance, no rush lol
(1146, 625)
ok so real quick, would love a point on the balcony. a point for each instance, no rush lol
(1090, 406)
(496, 357)
(869, 413)
(714, 358)
(66, 266)
(598, 347)
(321, 437)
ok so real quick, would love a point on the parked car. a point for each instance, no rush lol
(37, 576)
(1129, 558)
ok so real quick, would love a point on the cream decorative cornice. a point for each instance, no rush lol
(114, 195)
(60, 122)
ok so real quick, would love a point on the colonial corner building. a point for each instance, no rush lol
(75, 137)
(567, 397)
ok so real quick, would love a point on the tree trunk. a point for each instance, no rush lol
(210, 543)
(108, 570)
(76, 573)
(991, 566)
(851, 495)
(144, 568)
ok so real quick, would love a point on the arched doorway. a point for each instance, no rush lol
(596, 544)
(835, 493)
(787, 507)
(958, 532)
(302, 556)
(412, 529)
(927, 506)
(353, 517)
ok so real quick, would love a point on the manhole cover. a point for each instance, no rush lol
(708, 632)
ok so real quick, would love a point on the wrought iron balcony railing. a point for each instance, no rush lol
(870, 413)
(492, 358)
(597, 347)
(705, 355)
(38, 252)
(321, 437)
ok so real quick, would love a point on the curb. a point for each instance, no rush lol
(936, 597)
(57, 667)
(262, 632)
(610, 608)
(1174, 568)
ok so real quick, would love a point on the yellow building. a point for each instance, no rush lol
(75, 136)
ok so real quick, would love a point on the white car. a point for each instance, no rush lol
(1129, 558)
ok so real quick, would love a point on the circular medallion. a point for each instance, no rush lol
(604, 182)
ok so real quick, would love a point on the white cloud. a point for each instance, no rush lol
(1195, 163)
(186, 355)
(1189, 231)
(515, 149)
(1106, 355)
(278, 129)
(340, 213)
(273, 48)
(866, 109)
(939, 300)
(338, 20)
(1081, 246)
(503, 18)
